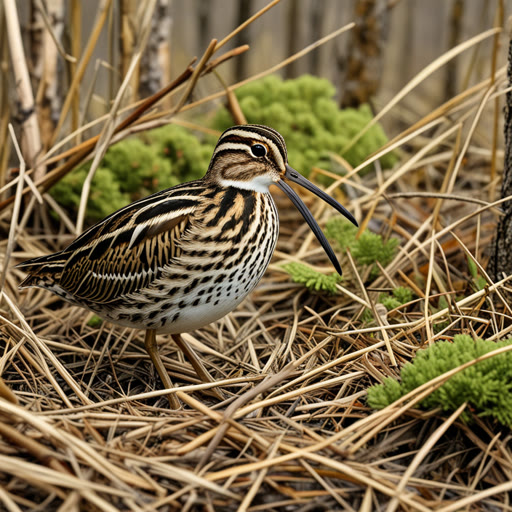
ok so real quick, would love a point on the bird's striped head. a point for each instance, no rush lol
(253, 157)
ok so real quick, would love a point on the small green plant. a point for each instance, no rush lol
(136, 167)
(94, 321)
(367, 249)
(479, 281)
(399, 296)
(442, 303)
(312, 279)
(486, 386)
(440, 326)
(304, 111)
(367, 316)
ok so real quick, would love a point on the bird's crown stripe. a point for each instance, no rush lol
(253, 134)
(263, 131)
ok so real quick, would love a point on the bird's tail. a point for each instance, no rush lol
(42, 271)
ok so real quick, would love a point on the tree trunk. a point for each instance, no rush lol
(501, 250)
(292, 44)
(45, 65)
(30, 135)
(204, 15)
(456, 18)
(155, 66)
(244, 12)
(317, 20)
(365, 52)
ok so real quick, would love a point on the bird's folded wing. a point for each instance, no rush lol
(128, 250)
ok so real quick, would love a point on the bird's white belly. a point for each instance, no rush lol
(192, 318)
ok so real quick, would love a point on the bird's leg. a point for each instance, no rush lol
(196, 363)
(152, 350)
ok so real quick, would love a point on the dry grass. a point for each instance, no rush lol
(82, 427)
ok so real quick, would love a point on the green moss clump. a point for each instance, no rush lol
(370, 247)
(486, 386)
(312, 279)
(188, 155)
(389, 302)
(137, 167)
(341, 231)
(304, 112)
(400, 295)
(367, 249)
(105, 196)
(403, 294)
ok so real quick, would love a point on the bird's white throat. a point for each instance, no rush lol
(257, 184)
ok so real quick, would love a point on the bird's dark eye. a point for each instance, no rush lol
(258, 150)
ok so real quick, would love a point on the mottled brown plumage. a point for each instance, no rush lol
(184, 257)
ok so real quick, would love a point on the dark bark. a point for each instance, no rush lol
(204, 16)
(292, 44)
(317, 18)
(456, 17)
(363, 67)
(500, 262)
(244, 12)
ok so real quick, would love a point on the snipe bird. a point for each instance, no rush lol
(186, 256)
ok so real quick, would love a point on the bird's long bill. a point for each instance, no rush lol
(293, 175)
